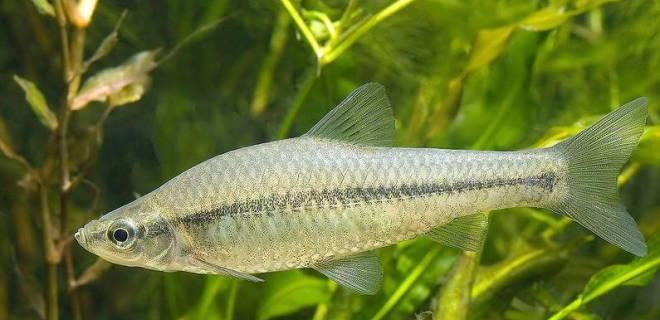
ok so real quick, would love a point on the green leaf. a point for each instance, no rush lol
(106, 45)
(545, 19)
(642, 279)
(5, 141)
(551, 17)
(130, 93)
(288, 292)
(487, 46)
(214, 286)
(612, 277)
(38, 103)
(647, 152)
(489, 43)
(44, 7)
(119, 85)
(523, 264)
(584, 5)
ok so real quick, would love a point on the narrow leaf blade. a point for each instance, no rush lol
(612, 277)
(288, 292)
(618, 275)
(544, 19)
(38, 103)
(44, 7)
(6, 146)
(488, 45)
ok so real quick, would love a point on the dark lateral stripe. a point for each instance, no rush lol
(351, 197)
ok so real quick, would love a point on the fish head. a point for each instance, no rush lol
(134, 235)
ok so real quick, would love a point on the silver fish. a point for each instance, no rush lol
(326, 199)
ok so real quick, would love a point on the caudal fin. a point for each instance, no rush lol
(595, 157)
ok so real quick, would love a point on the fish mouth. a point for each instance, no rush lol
(80, 237)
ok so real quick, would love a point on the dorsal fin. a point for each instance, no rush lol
(364, 117)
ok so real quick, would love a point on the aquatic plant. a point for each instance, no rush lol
(498, 75)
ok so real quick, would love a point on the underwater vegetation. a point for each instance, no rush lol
(103, 101)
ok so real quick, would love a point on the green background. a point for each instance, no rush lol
(490, 75)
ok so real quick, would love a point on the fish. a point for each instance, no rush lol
(328, 199)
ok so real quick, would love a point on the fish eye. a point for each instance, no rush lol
(122, 233)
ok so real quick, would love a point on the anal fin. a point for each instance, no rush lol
(465, 233)
(361, 273)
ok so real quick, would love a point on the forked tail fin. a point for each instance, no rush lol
(595, 157)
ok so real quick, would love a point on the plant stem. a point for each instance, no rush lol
(49, 251)
(64, 37)
(77, 47)
(190, 37)
(278, 40)
(346, 16)
(71, 279)
(231, 301)
(454, 298)
(304, 29)
(321, 312)
(4, 289)
(567, 310)
(50, 262)
(627, 173)
(442, 115)
(519, 268)
(346, 42)
(52, 310)
(72, 57)
(211, 289)
(560, 226)
(602, 289)
(77, 55)
(12, 155)
(86, 163)
(407, 283)
(303, 91)
(73, 64)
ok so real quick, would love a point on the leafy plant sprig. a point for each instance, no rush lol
(115, 86)
(343, 34)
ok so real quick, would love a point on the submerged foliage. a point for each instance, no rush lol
(195, 79)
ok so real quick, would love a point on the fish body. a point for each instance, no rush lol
(327, 199)
(298, 202)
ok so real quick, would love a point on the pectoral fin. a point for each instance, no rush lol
(465, 233)
(361, 273)
(224, 271)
